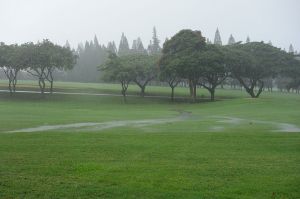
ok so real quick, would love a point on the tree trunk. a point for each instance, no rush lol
(212, 94)
(172, 94)
(124, 89)
(191, 88)
(51, 86)
(194, 92)
(14, 84)
(143, 90)
(9, 86)
(42, 85)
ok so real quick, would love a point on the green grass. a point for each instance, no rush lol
(185, 159)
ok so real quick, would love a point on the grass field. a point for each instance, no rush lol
(236, 147)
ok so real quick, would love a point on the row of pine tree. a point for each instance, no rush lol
(92, 54)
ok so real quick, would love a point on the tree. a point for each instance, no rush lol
(251, 63)
(44, 58)
(111, 46)
(213, 67)
(289, 75)
(168, 73)
(231, 40)
(248, 39)
(138, 47)
(144, 69)
(67, 45)
(208, 41)
(154, 47)
(90, 56)
(117, 69)
(218, 40)
(291, 49)
(124, 46)
(182, 53)
(12, 60)
(61, 58)
(96, 42)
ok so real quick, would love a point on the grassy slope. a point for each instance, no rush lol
(181, 160)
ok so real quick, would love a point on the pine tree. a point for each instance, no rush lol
(140, 45)
(154, 47)
(96, 43)
(248, 39)
(291, 49)
(124, 46)
(208, 41)
(67, 45)
(270, 43)
(86, 46)
(111, 46)
(231, 40)
(218, 40)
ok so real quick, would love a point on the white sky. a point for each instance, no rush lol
(78, 20)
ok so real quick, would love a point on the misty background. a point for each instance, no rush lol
(76, 21)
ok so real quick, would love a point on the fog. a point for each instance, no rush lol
(77, 21)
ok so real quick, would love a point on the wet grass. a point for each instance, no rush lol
(186, 159)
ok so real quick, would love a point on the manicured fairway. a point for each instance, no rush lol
(232, 148)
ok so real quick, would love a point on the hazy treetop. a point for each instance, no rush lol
(77, 20)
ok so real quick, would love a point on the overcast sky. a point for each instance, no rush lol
(78, 20)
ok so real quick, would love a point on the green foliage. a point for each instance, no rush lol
(250, 63)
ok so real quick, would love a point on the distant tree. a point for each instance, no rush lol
(270, 43)
(169, 74)
(90, 56)
(61, 59)
(154, 47)
(213, 68)
(67, 45)
(231, 40)
(124, 46)
(291, 49)
(251, 63)
(144, 67)
(289, 75)
(80, 48)
(12, 60)
(208, 41)
(44, 58)
(117, 69)
(96, 42)
(138, 47)
(182, 53)
(111, 46)
(248, 39)
(218, 40)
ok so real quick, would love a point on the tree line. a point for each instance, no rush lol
(187, 58)
(190, 57)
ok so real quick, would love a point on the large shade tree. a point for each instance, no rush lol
(253, 62)
(12, 60)
(116, 69)
(169, 74)
(144, 67)
(45, 58)
(182, 53)
(213, 68)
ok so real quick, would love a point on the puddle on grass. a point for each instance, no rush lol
(280, 127)
(104, 125)
(77, 127)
